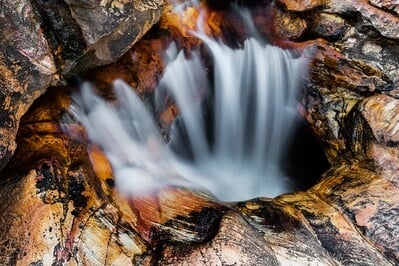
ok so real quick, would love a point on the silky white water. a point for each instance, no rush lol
(235, 143)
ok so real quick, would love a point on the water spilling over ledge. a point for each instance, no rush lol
(59, 205)
(234, 151)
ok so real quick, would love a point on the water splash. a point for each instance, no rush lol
(235, 149)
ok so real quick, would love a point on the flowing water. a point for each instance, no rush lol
(229, 138)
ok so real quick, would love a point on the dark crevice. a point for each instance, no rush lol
(201, 226)
(304, 160)
(63, 34)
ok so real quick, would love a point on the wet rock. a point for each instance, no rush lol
(288, 25)
(110, 28)
(72, 206)
(45, 42)
(372, 134)
(391, 5)
(297, 5)
(58, 196)
(330, 27)
(368, 15)
(369, 202)
(26, 64)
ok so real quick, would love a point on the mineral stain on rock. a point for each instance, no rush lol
(53, 188)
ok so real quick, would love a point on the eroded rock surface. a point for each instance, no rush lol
(44, 42)
(58, 196)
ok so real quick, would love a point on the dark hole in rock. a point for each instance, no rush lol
(304, 160)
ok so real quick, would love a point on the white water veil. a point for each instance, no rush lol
(253, 109)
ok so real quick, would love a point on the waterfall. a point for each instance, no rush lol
(231, 132)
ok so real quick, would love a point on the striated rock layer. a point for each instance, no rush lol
(59, 205)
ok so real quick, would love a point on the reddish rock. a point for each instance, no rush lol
(297, 5)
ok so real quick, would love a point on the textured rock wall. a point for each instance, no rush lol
(44, 42)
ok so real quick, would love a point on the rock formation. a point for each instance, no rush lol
(44, 43)
(58, 202)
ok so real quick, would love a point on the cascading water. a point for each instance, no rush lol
(235, 150)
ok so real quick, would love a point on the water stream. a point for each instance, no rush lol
(232, 131)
